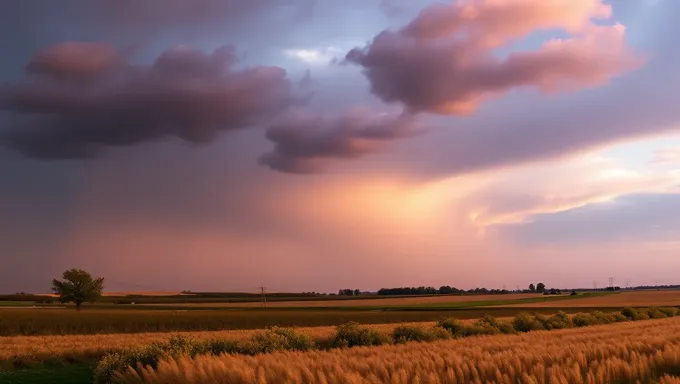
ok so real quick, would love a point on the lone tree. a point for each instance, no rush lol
(540, 287)
(532, 289)
(78, 287)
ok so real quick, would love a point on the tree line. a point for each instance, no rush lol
(448, 290)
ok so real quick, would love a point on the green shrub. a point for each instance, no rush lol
(584, 320)
(655, 313)
(506, 328)
(481, 329)
(525, 322)
(487, 325)
(560, 320)
(620, 317)
(454, 326)
(669, 311)
(405, 333)
(603, 317)
(352, 334)
(630, 313)
(223, 346)
(149, 355)
(278, 339)
(641, 316)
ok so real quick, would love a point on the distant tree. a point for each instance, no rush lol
(357, 292)
(540, 288)
(78, 287)
(574, 293)
(532, 288)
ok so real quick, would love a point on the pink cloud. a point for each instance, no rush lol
(443, 61)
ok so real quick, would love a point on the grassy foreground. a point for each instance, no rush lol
(630, 352)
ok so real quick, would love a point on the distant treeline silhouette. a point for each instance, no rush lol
(443, 290)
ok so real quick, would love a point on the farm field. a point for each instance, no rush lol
(636, 352)
(35, 350)
(375, 302)
(623, 299)
(31, 322)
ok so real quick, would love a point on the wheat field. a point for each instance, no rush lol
(624, 299)
(87, 347)
(635, 352)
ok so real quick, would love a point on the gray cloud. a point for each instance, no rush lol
(305, 144)
(81, 97)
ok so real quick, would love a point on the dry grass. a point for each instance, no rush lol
(625, 299)
(420, 300)
(636, 352)
(36, 349)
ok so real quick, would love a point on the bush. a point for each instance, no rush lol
(223, 346)
(620, 317)
(525, 322)
(669, 311)
(146, 356)
(454, 326)
(573, 293)
(603, 317)
(352, 334)
(584, 320)
(489, 322)
(405, 333)
(641, 316)
(481, 329)
(560, 320)
(278, 339)
(630, 313)
(655, 313)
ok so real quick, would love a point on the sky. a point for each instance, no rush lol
(314, 145)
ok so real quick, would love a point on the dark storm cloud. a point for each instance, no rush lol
(81, 97)
(444, 60)
(305, 144)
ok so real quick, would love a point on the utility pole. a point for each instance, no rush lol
(263, 298)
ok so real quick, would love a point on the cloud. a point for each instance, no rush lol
(515, 196)
(444, 60)
(305, 144)
(81, 97)
(155, 14)
(669, 156)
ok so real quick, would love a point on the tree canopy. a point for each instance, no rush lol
(78, 287)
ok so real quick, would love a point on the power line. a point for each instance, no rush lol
(263, 298)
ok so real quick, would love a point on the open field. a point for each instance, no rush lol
(28, 322)
(379, 302)
(20, 351)
(637, 352)
(650, 298)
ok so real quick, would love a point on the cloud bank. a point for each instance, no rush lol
(81, 97)
(445, 61)
(305, 143)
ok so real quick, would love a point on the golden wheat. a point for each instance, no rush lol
(637, 352)
(87, 347)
